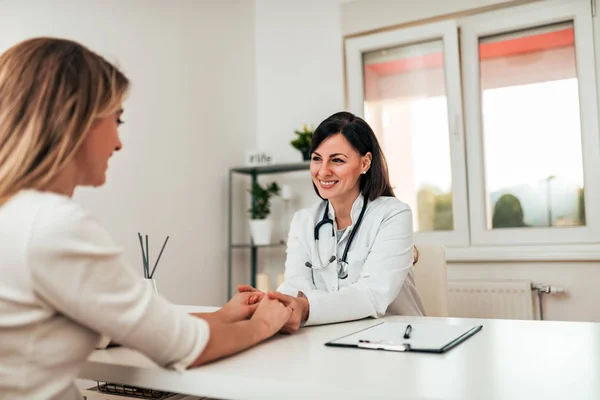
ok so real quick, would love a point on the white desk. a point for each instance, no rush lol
(505, 360)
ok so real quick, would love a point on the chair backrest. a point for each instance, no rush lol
(431, 279)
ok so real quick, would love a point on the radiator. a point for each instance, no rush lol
(490, 299)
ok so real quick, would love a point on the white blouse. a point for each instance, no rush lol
(63, 283)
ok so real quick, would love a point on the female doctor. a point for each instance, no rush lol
(349, 256)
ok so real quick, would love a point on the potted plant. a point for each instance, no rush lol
(302, 142)
(260, 226)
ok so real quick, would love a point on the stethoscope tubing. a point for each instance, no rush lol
(343, 272)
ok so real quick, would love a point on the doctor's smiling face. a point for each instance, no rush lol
(346, 160)
(336, 167)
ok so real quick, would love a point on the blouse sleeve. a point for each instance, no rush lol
(78, 270)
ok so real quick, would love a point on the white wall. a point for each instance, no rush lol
(299, 68)
(190, 116)
(299, 79)
(367, 15)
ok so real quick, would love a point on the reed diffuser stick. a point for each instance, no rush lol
(144, 260)
(159, 255)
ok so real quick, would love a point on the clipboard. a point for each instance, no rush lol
(423, 338)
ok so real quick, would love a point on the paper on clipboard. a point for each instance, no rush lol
(424, 337)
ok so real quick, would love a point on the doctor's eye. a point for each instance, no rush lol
(316, 158)
(337, 160)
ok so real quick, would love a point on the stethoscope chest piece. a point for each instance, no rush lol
(342, 267)
(342, 270)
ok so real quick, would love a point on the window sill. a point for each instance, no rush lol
(572, 252)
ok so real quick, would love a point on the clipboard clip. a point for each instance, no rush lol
(383, 345)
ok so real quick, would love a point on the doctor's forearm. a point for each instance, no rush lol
(348, 304)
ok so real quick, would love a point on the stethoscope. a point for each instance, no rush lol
(342, 270)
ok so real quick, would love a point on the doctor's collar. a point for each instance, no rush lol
(354, 212)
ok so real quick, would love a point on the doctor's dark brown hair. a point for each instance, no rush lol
(51, 92)
(376, 182)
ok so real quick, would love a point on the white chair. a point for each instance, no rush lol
(431, 279)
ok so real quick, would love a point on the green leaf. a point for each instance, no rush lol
(261, 199)
(302, 142)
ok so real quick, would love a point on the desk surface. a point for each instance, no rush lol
(507, 359)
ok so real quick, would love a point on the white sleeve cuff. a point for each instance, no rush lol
(314, 317)
(202, 336)
(287, 289)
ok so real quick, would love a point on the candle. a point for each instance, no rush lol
(263, 282)
(286, 192)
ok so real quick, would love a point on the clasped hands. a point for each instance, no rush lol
(246, 301)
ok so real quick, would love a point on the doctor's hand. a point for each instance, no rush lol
(272, 315)
(241, 306)
(248, 288)
(300, 308)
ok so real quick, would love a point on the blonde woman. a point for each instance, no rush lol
(64, 282)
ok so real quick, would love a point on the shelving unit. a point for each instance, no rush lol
(253, 172)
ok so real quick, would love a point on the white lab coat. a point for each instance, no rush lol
(380, 276)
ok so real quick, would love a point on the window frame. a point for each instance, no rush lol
(447, 32)
(514, 19)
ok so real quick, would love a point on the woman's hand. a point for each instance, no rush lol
(226, 339)
(241, 306)
(272, 314)
(300, 309)
(299, 305)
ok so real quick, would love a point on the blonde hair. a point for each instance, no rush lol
(51, 91)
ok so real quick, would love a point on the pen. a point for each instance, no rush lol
(407, 331)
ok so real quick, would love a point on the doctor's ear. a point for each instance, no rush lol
(366, 162)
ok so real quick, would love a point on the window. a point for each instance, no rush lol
(405, 103)
(407, 87)
(533, 160)
(531, 127)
